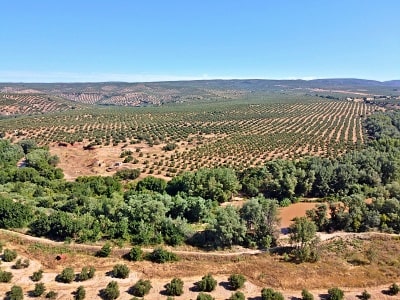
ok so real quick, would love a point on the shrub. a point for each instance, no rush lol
(136, 254)
(9, 255)
(51, 295)
(175, 287)
(160, 255)
(207, 283)
(141, 288)
(306, 295)
(15, 293)
(270, 294)
(66, 276)
(111, 291)
(237, 296)
(5, 276)
(121, 271)
(365, 295)
(204, 296)
(236, 281)
(335, 294)
(39, 290)
(394, 289)
(105, 251)
(86, 273)
(37, 276)
(80, 293)
(19, 264)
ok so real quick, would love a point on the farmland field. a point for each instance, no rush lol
(237, 134)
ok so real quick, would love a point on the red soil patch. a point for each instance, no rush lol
(287, 214)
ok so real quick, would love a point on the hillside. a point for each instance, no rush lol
(157, 93)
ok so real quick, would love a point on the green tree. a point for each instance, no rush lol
(39, 290)
(141, 288)
(5, 276)
(67, 275)
(86, 273)
(335, 294)
(105, 251)
(306, 295)
(237, 296)
(80, 293)
(207, 283)
(236, 281)
(135, 254)
(365, 295)
(175, 287)
(204, 296)
(121, 271)
(15, 293)
(9, 255)
(111, 292)
(37, 276)
(153, 184)
(160, 255)
(303, 236)
(394, 289)
(271, 294)
(227, 228)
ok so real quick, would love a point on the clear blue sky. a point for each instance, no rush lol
(96, 40)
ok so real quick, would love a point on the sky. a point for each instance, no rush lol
(128, 40)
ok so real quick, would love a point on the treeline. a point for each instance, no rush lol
(186, 209)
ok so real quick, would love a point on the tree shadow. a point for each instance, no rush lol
(110, 273)
(255, 298)
(195, 287)
(226, 285)
(323, 296)
(295, 298)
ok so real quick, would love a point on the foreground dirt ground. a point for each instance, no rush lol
(343, 263)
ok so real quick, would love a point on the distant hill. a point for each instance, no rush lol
(157, 93)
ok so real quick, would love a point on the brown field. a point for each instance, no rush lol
(343, 263)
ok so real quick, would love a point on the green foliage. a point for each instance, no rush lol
(9, 255)
(335, 294)
(15, 293)
(237, 296)
(86, 273)
(37, 276)
(27, 145)
(169, 147)
(306, 295)
(175, 287)
(128, 174)
(236, 281)
(207, 283)
(80, 293)
(19, 264)
(39, 290)
(13, 214)
(105, 251)
(9, 153)
(160, 256)
(204, 296)
(51, 295)
(151, 183)
(66, 276)
(111, 291)
(141, 288)
(303, 236)
(121, 271)
(227, 228)
(365, 295)
(394, 289)
(271, 294)
(135, 254)
(5, 276)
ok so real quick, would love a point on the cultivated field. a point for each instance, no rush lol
(233, 134)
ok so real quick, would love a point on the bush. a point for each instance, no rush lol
(105, 251)
(236, 281)
(394, 289)
(37, 276)
(15, 293)
(9, 255)
(66, 276)
(141, 288)
(160, 255)
(237, 296)
(19, 264)
(111, 291)
(51, 295)
(207, 283)
(365, 295)
(204, 296)
(175, 287)
(306, 295)
(270, 294)
(335, 294)
(5, 276)
(80, 293)
(121, 271)
(39, 290)
(86, 273)
(136, 254)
